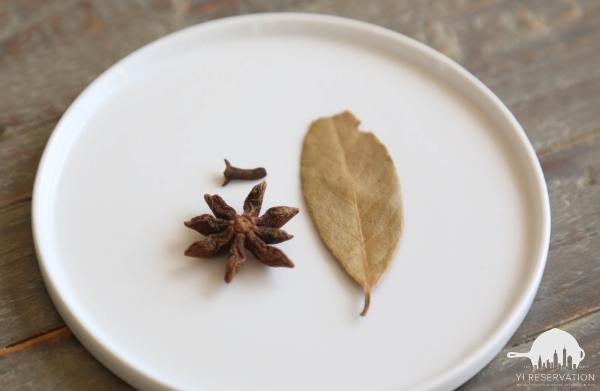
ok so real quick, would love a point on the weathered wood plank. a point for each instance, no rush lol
(501, 373)
(25, 307)
(21, 148)
(569, 286)
(540, 57)
(51, 50)
(55, 361)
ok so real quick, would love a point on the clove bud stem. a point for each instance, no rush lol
(241, 173)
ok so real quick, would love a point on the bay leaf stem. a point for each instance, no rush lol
(367, 303)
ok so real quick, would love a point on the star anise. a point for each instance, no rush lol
(228, 231)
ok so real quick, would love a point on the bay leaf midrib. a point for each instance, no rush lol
(365, 260)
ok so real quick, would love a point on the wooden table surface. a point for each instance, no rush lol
(541, 57)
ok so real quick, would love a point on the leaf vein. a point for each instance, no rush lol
(358, 222)
(384, 226)
(323, 155)
(333, 192)
(363, 168)
(364, 212)
(342, 227)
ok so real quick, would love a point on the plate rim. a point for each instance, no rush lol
(136, 376)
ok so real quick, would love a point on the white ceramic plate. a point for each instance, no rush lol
(134, 155)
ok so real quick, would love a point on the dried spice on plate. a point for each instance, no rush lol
(232, 172)
(353, 194)
(228, 231)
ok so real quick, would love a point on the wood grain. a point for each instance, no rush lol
(540, 57)
(25, 308)
(55, 361)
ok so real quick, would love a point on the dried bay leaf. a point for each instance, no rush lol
(353, 195)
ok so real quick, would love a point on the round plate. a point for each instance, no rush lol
(135, 153)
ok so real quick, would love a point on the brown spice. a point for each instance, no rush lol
(228, 231)
(241, 173)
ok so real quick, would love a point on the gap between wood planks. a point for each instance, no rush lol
(569, 143)
(229, 4)
(46, 338)
(29, 125)
(57, 334)
(572, 319)
(13, 204)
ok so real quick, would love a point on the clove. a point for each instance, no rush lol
(241, 173)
